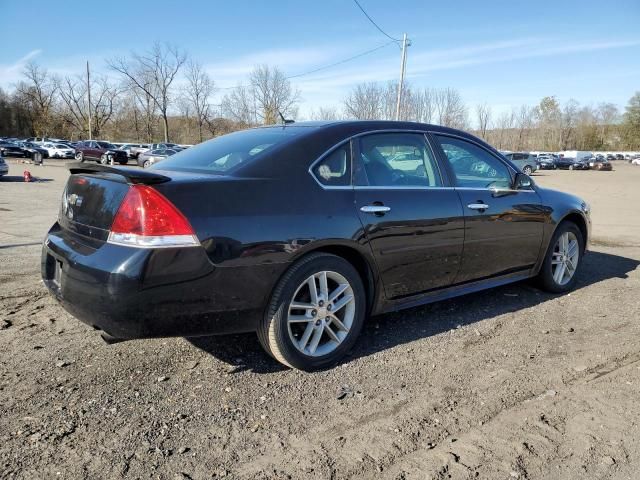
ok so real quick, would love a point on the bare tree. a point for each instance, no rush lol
(200, 86)
(450, 109)
(38, 93)
(424, 105)
(273, 94)
(153, 73)
(73, 92)
(365, 102)
(483, 112)
(325, 113)
(238, 105)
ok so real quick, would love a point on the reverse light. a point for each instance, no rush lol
(147, 219)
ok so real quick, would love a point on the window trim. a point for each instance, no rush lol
(444, 174)
(445, 159)
(325, 155)
(425, 139)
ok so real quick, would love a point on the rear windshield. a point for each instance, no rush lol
(228, 152)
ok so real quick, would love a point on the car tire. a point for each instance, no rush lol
(571, 167)
(304, 340)
(80, 156)
(527, 170)
(146, 164)
(549, 278)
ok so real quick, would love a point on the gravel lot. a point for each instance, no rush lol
(509, 383)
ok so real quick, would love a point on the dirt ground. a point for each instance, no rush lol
(503, 384)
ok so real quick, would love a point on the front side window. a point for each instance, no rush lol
(473, 166)
(335, 168)
(398, 159)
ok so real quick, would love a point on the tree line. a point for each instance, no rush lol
(162, 94)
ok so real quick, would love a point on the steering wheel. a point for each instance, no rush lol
(398, 177)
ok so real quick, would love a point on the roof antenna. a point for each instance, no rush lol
(284, 120)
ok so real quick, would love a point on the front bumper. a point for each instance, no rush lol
(142, 293)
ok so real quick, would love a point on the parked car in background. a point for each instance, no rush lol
(546, 162)
(610, 156)
(4, 168)
(600, 164)
(10, 149)
(526, 162)
(567, 163)
(100, 151)
(148, 158)
(174, 146)
(59, 150)
(619, 156)
(134, 149)
(30, 148)
(282, 231)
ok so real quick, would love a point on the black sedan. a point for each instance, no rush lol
(10, 149)
(300, 232)
(566, 163)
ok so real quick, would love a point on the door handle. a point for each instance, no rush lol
(378, 209)
(478, 206)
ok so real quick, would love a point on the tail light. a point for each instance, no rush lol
(147, 219)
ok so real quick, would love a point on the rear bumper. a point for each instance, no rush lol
(142, 293)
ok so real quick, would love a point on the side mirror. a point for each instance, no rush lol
(522, 182)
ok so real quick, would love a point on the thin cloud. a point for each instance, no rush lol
(11, 73)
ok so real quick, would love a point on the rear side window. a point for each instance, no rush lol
(397, 160)
(226, 153)
(473, 166)
(335, 168)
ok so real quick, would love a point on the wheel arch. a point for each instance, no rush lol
(362, 263)
(579, 220)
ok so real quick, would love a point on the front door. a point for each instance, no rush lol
(413, 222)
(503, 226)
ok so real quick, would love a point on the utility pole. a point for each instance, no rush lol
(403, 64)
(89, 98)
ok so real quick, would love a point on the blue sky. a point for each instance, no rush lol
(504, 53)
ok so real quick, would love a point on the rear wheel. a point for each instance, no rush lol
(564, 256)
(104, 159)
(527, 170)
(146, 164)
(315, 314)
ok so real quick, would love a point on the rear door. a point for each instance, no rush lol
(411, 217)
(503, 227)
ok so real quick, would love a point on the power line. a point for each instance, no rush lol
(342, 61)
(375, 24)
(324, 67)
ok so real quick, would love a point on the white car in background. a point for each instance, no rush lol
(59, 150)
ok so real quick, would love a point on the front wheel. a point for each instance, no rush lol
(104, 159)
(559, 270)
(80, 156)
(315, 314)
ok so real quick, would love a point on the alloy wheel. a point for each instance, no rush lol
(321, 313)
(565, 257)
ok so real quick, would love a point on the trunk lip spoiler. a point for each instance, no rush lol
(133, 176)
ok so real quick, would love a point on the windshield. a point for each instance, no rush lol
(224, 153)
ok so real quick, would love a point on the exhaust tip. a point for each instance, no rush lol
(109, 340)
